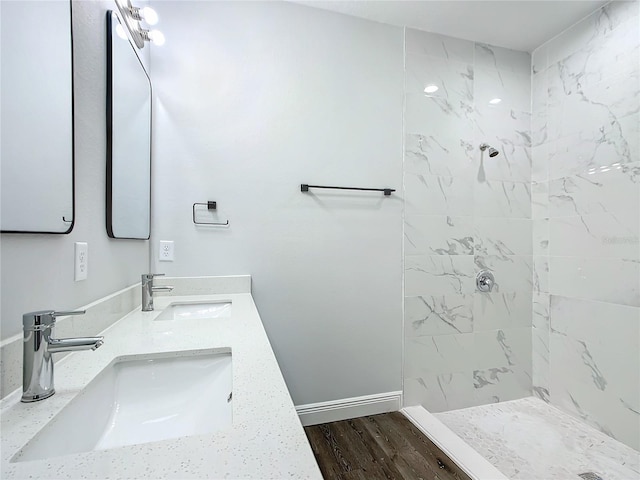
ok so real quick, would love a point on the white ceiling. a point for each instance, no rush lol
(516, 24)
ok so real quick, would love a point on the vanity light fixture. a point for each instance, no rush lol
(155, 36)
(146, 14)
(132, 17)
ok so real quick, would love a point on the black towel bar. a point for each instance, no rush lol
(387, 191)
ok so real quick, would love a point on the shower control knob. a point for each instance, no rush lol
(485, 281)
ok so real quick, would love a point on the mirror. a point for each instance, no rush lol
(128, 137)
(36, 155)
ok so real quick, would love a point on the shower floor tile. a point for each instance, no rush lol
(529, 439)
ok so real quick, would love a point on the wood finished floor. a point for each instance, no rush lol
(383, 446)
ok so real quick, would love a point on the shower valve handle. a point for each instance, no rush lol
(485, 281)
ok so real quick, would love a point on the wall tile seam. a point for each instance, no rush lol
(468, 177)
(474, 332)
(482, 332)
(579, 174)
(628, 24)
(583, 174)
(404, 212)
(589, 300)
(575, 24)
(468, 294)
(594, 257)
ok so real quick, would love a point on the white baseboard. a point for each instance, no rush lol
(470, 461)
(343, 409)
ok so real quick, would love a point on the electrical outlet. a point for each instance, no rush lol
(166, 250)
(81, 261)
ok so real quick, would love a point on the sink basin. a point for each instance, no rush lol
(140, 399)
(195, 311)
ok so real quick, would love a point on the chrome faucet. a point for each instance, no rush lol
(38, 345)
(148, 289)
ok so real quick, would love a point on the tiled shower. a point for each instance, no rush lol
(466, 212)
(586, 215)
(555, 216)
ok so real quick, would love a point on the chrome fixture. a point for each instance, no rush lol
(37, 364)
(132, 16)
(146, 14)
(148, 289)
(492, 151)
(485, 281)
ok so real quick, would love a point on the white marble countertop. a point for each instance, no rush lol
(266, 440)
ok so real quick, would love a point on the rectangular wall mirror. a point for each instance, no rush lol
(128, 137)
(37, 117)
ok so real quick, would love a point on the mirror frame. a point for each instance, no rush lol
(109, 190)
(73, 145)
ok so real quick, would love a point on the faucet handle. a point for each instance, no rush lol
(64, 314)
(150, 276)
(44, 319)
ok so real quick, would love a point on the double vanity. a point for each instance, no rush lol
(191, 389)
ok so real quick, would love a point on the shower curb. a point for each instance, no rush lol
(470, 461)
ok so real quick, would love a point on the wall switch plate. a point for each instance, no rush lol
(166, 250)
(81, 262)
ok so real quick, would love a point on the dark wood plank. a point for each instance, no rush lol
(404, 458)
(347, 452)
(382, 466)
(352, 444)
(370, 474)
(330, 466)
(405, 432)
(409, 462)
(379, 447)
(421, 443)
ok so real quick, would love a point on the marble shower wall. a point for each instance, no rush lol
(465, 211)
(586, 215)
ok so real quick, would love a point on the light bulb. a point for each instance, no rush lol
(495, 101)
(120, 31)
(149, 15)
(157, 37)
(430, 89)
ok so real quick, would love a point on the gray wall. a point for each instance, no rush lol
(253, 99)
(586, 210)
(464, 212)
(37, 270)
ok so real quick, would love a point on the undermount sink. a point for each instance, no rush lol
(141, 399)
(195, 311)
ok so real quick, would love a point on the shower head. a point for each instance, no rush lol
(492, 151)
